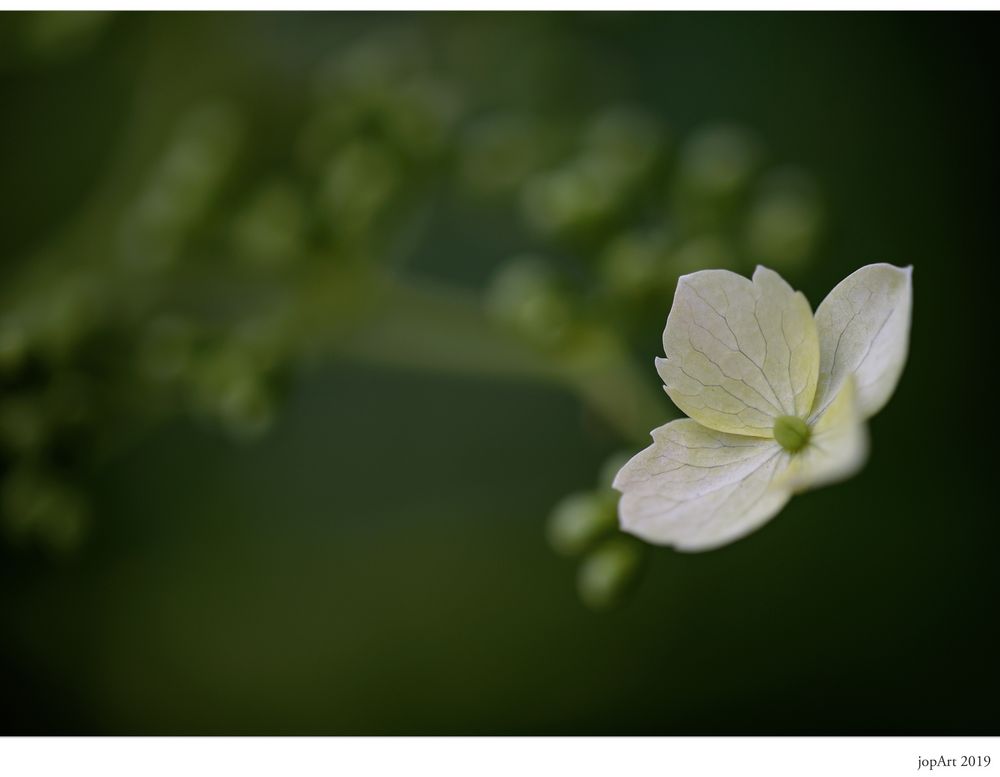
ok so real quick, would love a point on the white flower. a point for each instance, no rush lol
(777, 399)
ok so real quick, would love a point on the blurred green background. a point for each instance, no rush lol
(285, 409)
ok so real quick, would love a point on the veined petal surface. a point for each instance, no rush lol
(696, 488)
(739, 353)
(864, 331)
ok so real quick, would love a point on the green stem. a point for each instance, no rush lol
(430, 327)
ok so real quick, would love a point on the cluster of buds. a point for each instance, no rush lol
(225, 259)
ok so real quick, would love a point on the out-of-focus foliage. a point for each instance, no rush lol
(49, 38)
(219, 265)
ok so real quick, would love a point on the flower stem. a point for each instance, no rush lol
(431, 327)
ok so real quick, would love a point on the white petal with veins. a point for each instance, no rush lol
(696, 489)
(864, 331)
(740, 353)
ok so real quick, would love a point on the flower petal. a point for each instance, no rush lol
(864, 331)
(695, 488)
(837, 448)
(739, 353)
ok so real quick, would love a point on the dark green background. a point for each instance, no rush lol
(377, 564)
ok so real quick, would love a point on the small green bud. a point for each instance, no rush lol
(579, 520)
(791, 432)
(525, 296)
(377, 61)
(359, 182)
(633, 263)
(38, 505)
(627, 142)
(382, 89)
(66, 312)
(270, 230)
(609, 572)
(573, 198)
(13, 345)
(246, 407)
(61, 35)
(785, 219)
(231, 386)
(499, 153)
(717, 161)
(424, 112)
(184, 185)
(715, 169)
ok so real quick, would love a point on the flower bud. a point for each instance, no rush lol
(65, 311)
(718, 161)
(633, 264)
(182, 187)
(580, 520)
(13, 345)
(234, 384)
(627, 142)
(785, 220)
(570, 199)
(499, 153)
(37, 505)
(715, 169)
(358, 184)
(524, 296)
(608, 573)
(269, 231)
(424, 112)
(55, 36)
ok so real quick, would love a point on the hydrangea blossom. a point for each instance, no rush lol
(777, 399)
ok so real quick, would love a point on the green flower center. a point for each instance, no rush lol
(791, 433)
